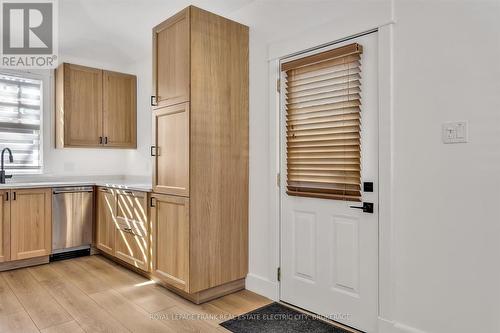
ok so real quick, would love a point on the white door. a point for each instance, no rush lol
(329, 251)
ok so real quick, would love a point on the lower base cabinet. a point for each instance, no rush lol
(122, 228)
(4, 226)
(170, 234)
(31, 222)
(105, 220)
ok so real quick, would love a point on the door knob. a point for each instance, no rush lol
(367, 207)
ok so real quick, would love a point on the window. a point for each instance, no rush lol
(323, 121)
(20, 121)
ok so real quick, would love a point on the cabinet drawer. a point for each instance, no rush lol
(132, 227)
(132, 248)
(131, 207)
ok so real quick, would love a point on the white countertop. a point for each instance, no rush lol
(125, 184)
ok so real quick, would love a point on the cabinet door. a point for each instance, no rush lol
(4, 226)
(170, 234)
(31, 227)
(82, 106)
(106, 224)
(119, 110)
(171, 60)
(132, 235)
(171, 163)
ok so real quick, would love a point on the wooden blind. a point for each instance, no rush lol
(323, 123)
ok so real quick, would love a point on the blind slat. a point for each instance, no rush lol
(322, 120)
(323, 143)
(337, 107)
(329, 168)
(319, 87)
(318, 97)
(341, 155)
(347, 174)
(321, 180)
(336, 77)
(323, 125)
(337, 99)
(297, 134)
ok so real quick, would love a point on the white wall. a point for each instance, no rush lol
(446, 218)
(445, 239)
(139, 161)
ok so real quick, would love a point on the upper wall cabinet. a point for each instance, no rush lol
(119, 110)
(95, 108)
(171, 60)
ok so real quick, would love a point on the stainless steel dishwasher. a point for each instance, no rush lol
(72, 217)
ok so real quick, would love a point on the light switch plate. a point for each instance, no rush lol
(455, 132)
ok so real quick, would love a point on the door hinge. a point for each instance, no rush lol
(278, 179)
(278, 85)
(279, 274)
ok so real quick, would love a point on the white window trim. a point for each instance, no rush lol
(34, 76)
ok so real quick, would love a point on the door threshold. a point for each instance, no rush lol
(322, 318)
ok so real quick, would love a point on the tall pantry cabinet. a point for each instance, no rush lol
(199, 207)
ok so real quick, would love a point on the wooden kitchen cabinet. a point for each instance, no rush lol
(170, 220)
(133, 230)
(31, 230)
(119, 110)
(95, 108)
(4, 226)
(171, 60)
(200, 149)
(106, 220)
(78, 106)
(171, 148)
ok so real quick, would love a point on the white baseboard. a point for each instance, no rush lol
(389, 326)
(385, 326)
(262, 286)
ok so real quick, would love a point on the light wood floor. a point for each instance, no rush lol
(93, 294)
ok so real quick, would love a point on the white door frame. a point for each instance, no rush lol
(385, 87)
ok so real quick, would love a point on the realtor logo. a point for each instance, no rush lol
(29, 34)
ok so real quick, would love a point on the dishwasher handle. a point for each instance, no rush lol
(73, 190)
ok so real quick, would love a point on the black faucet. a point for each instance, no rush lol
(3, 176)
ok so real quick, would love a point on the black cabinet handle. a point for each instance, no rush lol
(6, 196)
(153, 100)
(13, 195)
(100, 140)
(105, 140)
(151, 202)
(153, 150)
